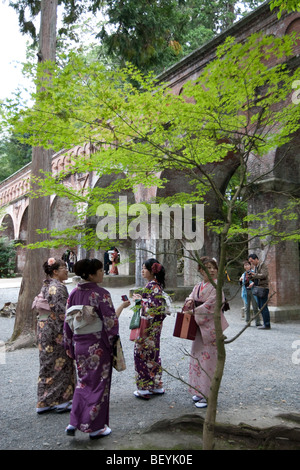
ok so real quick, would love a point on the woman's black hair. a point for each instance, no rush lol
(158, 270)
(85, 267)
(52, 265)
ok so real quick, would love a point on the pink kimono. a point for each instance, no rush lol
(204, 349)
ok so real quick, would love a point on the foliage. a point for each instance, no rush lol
(282, 5)
(234, 108)
(150, 34)
(137, 131)
(13, 155)
(7, 257)
(28, 10)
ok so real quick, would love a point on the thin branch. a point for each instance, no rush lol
(249, 322)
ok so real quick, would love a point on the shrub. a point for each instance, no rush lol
(7, 257)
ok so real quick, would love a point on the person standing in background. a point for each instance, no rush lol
(261, 275)
(247, 295)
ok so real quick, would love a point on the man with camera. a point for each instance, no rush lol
(261, 288)
(247, 295)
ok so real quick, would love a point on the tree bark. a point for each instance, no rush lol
(24, 334)
(210, 417)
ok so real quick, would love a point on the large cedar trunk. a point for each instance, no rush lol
(39, 209)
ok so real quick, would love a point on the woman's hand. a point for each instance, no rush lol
(136, 296)
(188, 305)
(123, 305)
(189, 312)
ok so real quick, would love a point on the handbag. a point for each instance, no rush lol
(141, 331)
(260, 291)
(144, 327)
(118, 356)
(185, 326)
(134, 334)
(136, 318)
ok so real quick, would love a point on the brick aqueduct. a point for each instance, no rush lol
(283, 259)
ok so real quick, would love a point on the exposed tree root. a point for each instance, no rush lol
(266, 438)
(23, 341)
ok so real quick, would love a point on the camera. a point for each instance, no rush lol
(124, 297)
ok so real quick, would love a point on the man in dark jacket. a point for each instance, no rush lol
(261, 279)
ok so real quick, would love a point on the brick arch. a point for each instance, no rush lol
(23, 230)
(294, 27)
(287, 163)
(9, 230)
(62, 213)
(105, 180)
(127, 246)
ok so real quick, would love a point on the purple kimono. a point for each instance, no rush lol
(93, 355)
(147, 347)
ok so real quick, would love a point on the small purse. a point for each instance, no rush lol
(118, 356)
(136, 318)
(144, 327)
(141, 331)
(134, 334)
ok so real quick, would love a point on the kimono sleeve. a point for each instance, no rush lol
(152, 301)
(205, 311)
(68, 339)
(193, 295)
(57, 295)
(109, 317)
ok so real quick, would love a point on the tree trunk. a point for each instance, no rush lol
(210, 417)
(24, 333)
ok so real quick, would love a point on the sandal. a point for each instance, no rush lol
(70, 430)
(158, 391)
(201, 403)
(65, 407)
(196, 398)
(41, 411)
(103, 432)
(143, 394)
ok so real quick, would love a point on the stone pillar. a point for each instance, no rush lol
(167, 256)
(144, 249)
(282, 259)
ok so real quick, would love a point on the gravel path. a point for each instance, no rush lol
(261, 381)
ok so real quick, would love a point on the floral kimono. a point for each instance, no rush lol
(204, 349)
(147, 359)
(57, 373)
(93, 353)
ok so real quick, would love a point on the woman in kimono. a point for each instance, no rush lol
(114, 263)
(89, 339)
(56, 380)
(203, 357)
(147, 359)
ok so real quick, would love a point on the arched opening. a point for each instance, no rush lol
(63, 216)
(123, 243)
(7, 225)
(23, 233)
